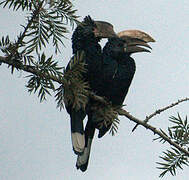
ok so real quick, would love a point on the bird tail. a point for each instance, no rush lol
(103, 130)
(83, 160)
(77, 131)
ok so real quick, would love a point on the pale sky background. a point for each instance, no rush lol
(35, 141)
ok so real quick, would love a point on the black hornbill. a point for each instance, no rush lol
(86, 38)
(119, 67)
(117, 72)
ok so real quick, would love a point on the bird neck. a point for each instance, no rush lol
(124, 59)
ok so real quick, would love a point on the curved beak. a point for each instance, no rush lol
(104, 30)
(136, 40)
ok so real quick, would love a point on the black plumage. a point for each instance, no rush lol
(119, 67)
(109, 74)
(118, 71)
(84, 39)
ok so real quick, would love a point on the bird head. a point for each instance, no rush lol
(115, 47)
(136, 41)
(88, 26)
(100, 29)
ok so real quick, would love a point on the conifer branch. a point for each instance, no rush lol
(29, 69)
(153, 129)
(122, 112)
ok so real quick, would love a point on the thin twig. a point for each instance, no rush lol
(165, 108)
(161, 110)
(20, 39)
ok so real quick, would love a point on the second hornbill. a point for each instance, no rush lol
(117, 72)
(119, 67)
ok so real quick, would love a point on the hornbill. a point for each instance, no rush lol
(119, 67)
(86, 38)
(117, 72)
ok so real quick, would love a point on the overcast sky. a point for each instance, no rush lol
(35, 141)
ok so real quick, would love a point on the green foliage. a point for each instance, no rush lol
(180, 132)
(107, 115)
(114, 126)
(59, 97)
(18, 4)
(50, 24)
(9, 50)
(7, 47)
(4, 44)
(74, 89)
(173, 159)
(47, 22)
(40, 83)
(46, 67)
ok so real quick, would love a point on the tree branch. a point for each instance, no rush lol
(153, 129)
(30, 69)
(33, 70)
